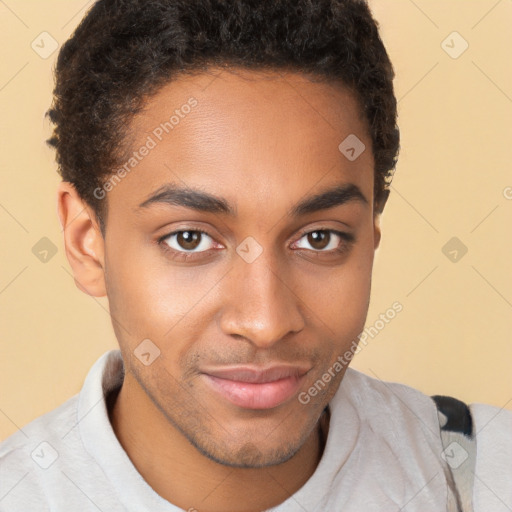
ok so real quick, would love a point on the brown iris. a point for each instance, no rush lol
(189, 240)
(319, 239)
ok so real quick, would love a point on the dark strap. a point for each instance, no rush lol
(459, 443)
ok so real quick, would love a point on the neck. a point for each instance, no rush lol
(157, 449)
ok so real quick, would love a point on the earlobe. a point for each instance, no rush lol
(83, 240)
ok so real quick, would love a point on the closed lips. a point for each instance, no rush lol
(245, 374)
(251, 388)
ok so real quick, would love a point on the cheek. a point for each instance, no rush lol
(153, 297)
(340, 302)
(340, 295)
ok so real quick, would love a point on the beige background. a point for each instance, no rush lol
(453, 335)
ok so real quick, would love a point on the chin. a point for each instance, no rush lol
(249, 455)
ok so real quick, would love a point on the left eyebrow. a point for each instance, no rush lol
(330, 198)
(205, 202)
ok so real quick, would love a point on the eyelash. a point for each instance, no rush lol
(347, 238)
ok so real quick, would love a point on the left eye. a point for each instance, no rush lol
(322, 240)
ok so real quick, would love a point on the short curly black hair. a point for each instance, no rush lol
(123, 51)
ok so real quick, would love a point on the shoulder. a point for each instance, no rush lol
(53, 423)
(393, 432)
(27, 455)
(411, 415)
(398, 415)
(493, 471)
(41, 463)
(373, 396)
(491, 420)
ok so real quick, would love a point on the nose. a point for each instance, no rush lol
(261, 304)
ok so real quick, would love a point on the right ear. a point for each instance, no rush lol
(84, 243)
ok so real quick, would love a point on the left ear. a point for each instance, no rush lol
(376, 230)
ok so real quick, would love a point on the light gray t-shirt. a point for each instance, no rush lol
(382, 453)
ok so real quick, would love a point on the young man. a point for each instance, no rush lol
(224, 166)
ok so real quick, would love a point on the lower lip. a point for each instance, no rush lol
(255, 396)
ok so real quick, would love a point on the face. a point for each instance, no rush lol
(220, 251)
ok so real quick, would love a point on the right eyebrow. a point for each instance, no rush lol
(189, 198)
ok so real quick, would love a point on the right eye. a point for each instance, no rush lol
(187, 241)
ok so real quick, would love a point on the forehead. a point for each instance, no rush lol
(244, 135)
(222, 88)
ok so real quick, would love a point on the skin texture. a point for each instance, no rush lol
(264, 142)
